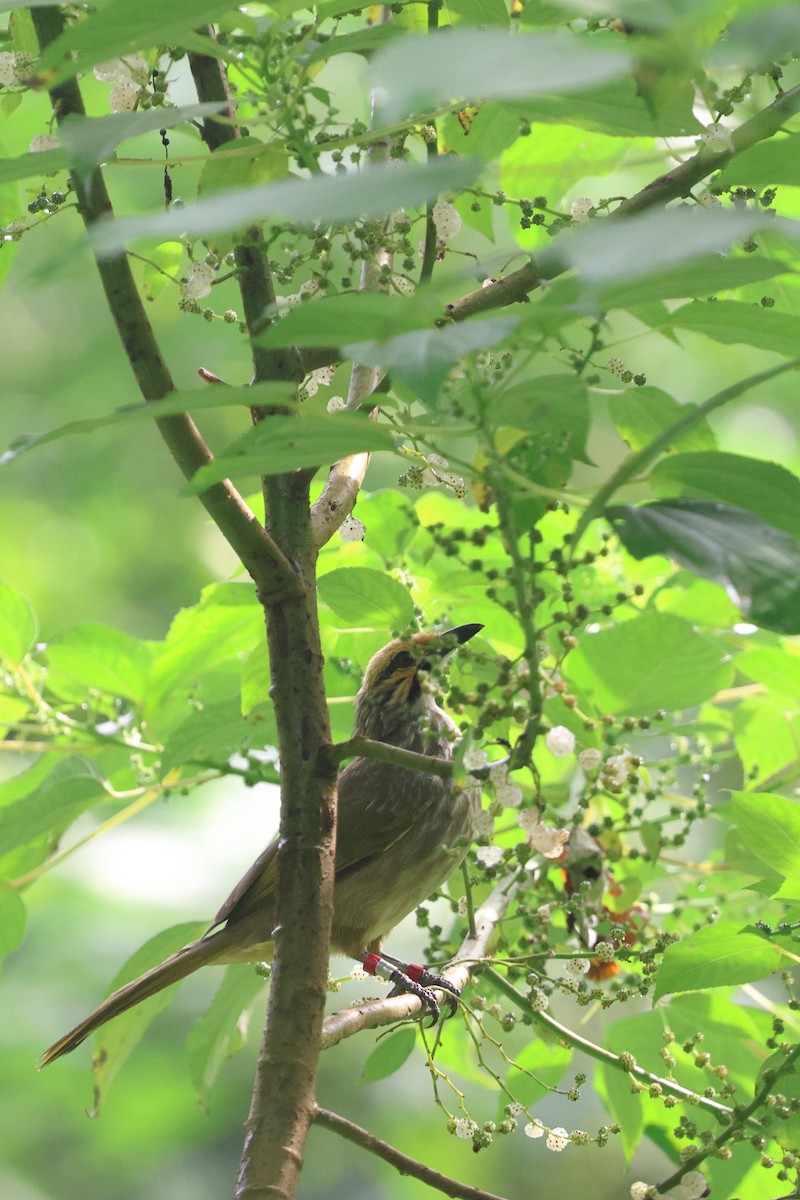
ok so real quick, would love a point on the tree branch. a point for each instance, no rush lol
(267, 565)
(516, 287)
(362, 747)
(373, 1014)
(405, 1165)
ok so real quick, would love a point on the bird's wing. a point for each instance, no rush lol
(256, 886)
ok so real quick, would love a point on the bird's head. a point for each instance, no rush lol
(392, 701)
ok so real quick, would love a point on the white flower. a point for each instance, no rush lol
(577, 966)
(474, 758)
(537, 1000)
(547, 840)
(352, 530)
(560, 741)
(498, 774)
(508, 795)
(123, 98)
(198, 284)
(640, 1190)
(580, 209)
(309, 387)
(557, 1139)
(718, 139)
(694, 1186)
(590, 759)
(490, 856)
(446, 220)
(358, 973)
(42, 142)
(534, 1129)
(465, 1127)
(335, 404)
(709, 200)
(323, 375)
(483, 823)
(618, 767)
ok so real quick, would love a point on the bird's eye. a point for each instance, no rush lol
(403, 659)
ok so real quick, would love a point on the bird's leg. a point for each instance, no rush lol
(412, 978)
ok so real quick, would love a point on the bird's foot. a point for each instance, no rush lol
(415, 980)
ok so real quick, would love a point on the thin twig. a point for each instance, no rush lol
(362, 747)
(402, 1162)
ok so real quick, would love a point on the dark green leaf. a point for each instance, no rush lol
(701, 277)
(642, 414)
(389, 1055)
(222, 1030)
(115, 1041)
(280, 444)
(731, 322)
(98, 658)
(758, 563)
(717, 956)
(653, 661)
(419, 74)
(18, 625)
(773, 161)
(325, 198)
(764, 488)
(360, 595)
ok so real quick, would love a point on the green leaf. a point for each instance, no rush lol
(88, 141)
(719, 955)
(326, 198)
(222, 1031)
(730, 322)
(653, 661)
(281, 444)
(757, 563)
(423, 358)
(617, 108)
(115, 1041)
(330, 321)
(773, 161)
(764, 488)
(71, 787)
(391, 523)
(12, 920)
(538, 1068)
(551, 408)
(642, 414)
(213, 396)
(357, 42)
(701, 277)
(360, 595)
(770, 828)
(97, 658)
(162, 261)
(35, 165)
(766, 735)
(607, 251)
(389, 1055)
(420, 74)
(120, 28)
(18, 625)
(210, 735)
(778, 669)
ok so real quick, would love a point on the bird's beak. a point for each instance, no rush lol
(451, 638)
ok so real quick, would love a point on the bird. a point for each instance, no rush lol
(400, 834)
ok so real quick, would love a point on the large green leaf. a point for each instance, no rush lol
(324, 198)
(360, 595)
(716, 956)
(554, 407)
(759, 564)
(773, 161)
(766, 734)
(12, 920)
(91, 140)
(388, 1056)
(617, 108)
(770, 491)
(281, 444)
(770, 828)
(701, 277)
(332, 321)
(70, 788)
(643, 414)
(655, 661)
(115, 1041)
(778, 669)
(210, 735)
(730, 322)
(90, 657)
(221, 1031)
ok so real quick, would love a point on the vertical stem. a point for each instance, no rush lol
(432, 149)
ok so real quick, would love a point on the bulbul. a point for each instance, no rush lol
(400, 834)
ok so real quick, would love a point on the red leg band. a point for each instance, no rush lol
(415, 972)
(371, 962)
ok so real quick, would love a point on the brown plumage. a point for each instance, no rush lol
(396, 833)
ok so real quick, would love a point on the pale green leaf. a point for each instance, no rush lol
(730, 322)
(222, 1030)
(361, 596)
(770, 828)
(91, 657)
(389, 1055)
(719, 955)
(643, 413)
(18, 626)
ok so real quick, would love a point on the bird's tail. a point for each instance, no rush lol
(171, 970)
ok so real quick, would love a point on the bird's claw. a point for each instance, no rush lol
(403, 985)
